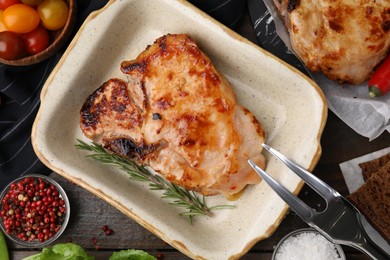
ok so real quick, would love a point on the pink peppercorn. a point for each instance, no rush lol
(29, 209)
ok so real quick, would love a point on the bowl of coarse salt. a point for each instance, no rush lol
(307, 243)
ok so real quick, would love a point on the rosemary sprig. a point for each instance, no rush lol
(189, 200)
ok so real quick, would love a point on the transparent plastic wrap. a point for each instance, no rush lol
(367, 116)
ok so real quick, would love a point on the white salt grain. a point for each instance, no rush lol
(307, 245)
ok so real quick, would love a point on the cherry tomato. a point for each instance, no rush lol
(11, 46)
(2, 26)
(6, 3)
(53, 14)
(31, 2)
(36, 41)
(20, 18)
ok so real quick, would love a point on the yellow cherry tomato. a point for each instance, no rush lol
(2, 26)
(20, 18)
(53, 14)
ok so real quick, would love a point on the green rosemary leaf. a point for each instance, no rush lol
(194, 204)
(190, 214)
(222, 207)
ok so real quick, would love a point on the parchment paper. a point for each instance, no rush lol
(354, 179)
(367, 116)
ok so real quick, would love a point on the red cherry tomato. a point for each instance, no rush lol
(6, 3)
(11, 46)
(36, 41)
(53, 14)
(20, 18)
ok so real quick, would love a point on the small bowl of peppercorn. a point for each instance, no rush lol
(34, 210)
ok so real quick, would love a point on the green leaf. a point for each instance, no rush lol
(62, 251)
(3, 248)
(131, 254)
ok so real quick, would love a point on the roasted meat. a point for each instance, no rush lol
(344, 39)
(179, 115)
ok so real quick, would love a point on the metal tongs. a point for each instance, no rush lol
(340, 222)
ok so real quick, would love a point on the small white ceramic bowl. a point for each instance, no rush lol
(61, 219)
(283, 247)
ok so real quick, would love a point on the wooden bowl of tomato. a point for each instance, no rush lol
(33, 30)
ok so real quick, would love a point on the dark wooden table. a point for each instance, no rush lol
(89, 213)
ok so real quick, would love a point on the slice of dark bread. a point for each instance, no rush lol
(373, 200)
(372, 166)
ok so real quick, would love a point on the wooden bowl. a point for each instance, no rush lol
(57, 40)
